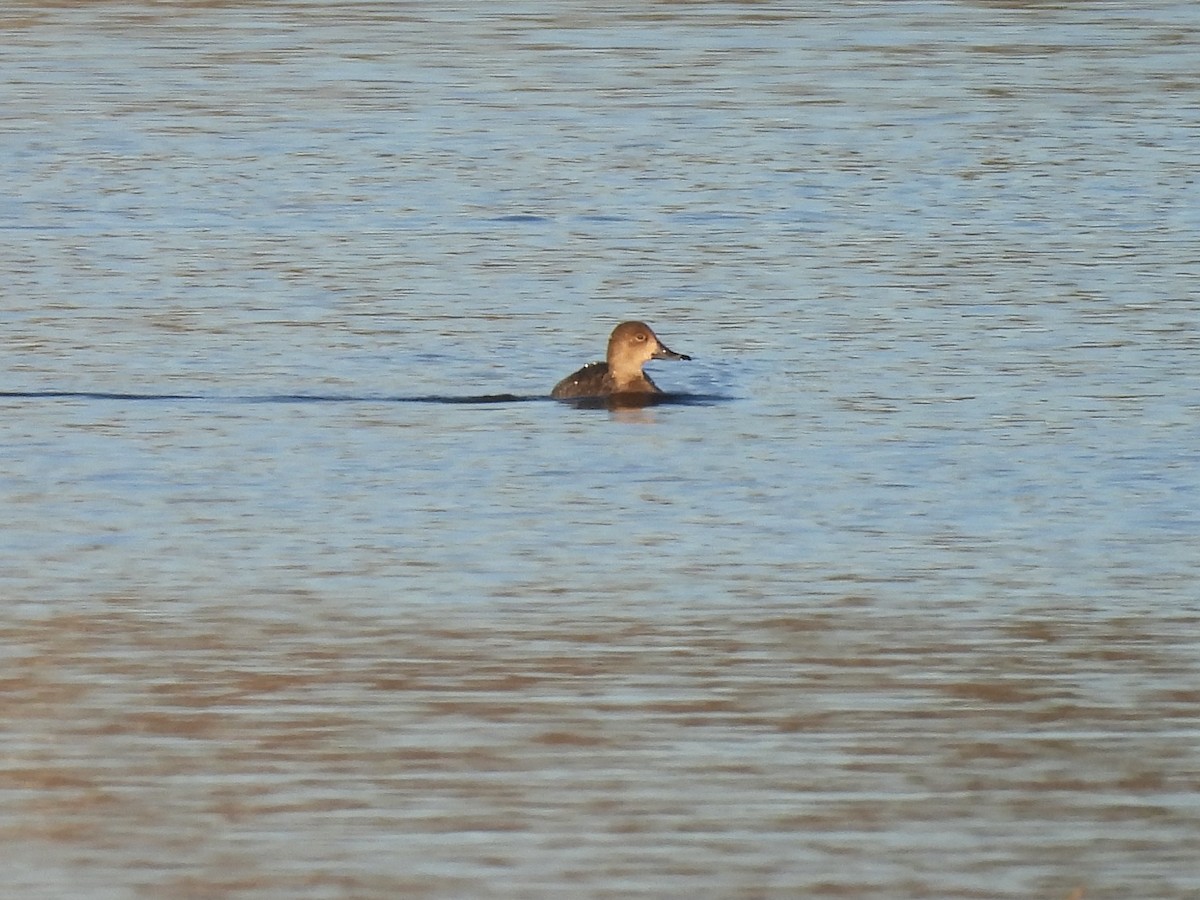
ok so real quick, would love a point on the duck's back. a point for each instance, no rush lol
(590, 381)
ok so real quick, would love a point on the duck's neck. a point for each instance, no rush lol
(631, 381)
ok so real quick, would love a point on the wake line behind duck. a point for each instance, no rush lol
(618, 381)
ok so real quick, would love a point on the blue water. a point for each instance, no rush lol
(899, 600)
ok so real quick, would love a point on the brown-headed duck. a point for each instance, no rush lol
(631, 346)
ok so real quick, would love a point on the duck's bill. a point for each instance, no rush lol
(664, 353)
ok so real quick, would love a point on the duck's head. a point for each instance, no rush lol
(633, 344)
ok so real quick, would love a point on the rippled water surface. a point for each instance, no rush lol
(309, 591)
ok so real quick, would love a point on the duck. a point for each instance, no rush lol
(630, 346)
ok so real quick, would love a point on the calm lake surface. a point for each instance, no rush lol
(901, 599)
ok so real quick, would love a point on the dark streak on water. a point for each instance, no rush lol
(621, 401)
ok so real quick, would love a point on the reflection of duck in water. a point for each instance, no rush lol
(630, 347)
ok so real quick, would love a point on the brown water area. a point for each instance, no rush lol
(529, 753)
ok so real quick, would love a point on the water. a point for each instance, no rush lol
(309, 592)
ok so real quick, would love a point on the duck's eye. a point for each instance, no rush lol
(641, 338)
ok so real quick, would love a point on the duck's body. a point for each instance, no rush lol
(594, 380)
(631, 346)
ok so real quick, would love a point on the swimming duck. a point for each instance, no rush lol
(631, 346)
